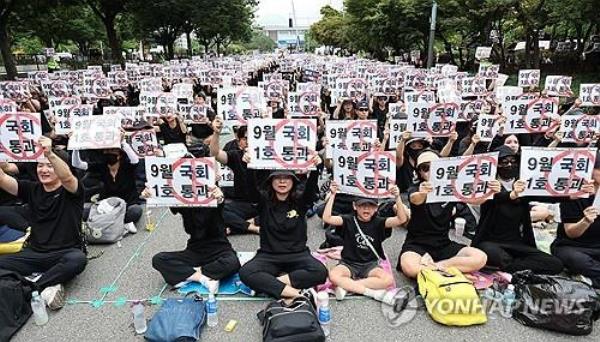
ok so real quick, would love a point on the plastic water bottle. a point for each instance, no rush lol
(40, 315)
(492, 299)
(139, 320)
(324, 312)
(508, 300)
(212, 319)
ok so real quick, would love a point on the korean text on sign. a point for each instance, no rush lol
(282, 144)
(367, 174)
(182, 182)
(359, 135)
(461, 179)
(19, 133)
(556, 171)
(95, 132)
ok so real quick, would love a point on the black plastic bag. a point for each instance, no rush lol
(555, 303)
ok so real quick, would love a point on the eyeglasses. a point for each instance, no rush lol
(424, 167)
(507, 161)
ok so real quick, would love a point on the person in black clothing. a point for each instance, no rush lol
(380, 111)
(283, 265)
(577, 243)
(117, 174)
(364, 232)
(427, 243)
(277, 111)
(240, 211)
(171, 129)
(504, 232)
(55, 244)
(203, 131)
(208, 256)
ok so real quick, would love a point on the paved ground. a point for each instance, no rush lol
(129, 267)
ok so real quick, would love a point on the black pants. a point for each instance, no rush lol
(260, 273)
(176, 267)
(133, 212)
(15, 216)
(236, 213)
(513, 257)
(580, 260)
(57, 266)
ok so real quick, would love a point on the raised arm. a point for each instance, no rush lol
(401, 216)
(77, 162)
(7, 183)
(327, 213)
(400, 148)
(61, 169)
(311, 187)
(215, 149)
(419, 197)
(448, 147)
(133, 157)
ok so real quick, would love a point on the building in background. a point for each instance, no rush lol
(285, 36)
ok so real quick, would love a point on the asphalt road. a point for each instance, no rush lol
(129, 268)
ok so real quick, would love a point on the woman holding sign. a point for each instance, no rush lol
(427, 243)
(505, 232)
(283, 266)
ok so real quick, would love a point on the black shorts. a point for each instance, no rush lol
(437, 252)
(360, 270)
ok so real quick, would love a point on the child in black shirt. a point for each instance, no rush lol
(364, 233)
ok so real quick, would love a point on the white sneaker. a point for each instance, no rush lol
(54, 296)
(130, 227)
(340, 293)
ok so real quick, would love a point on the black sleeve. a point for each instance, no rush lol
(496, 142)
(310, 189)
(571, 211)
(25, 190)
(254, 191)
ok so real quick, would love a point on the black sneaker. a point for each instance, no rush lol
(311, 295)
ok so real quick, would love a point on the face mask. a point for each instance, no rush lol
(112, 159)
(508, 172)
(413, 153)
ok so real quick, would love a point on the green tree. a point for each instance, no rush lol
(259, 41)
(109, 11)
(330, 30)
(7, 8)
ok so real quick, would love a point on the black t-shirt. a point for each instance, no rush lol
(6, 198)
(429, 222)
(571, 212)
(171, 135)
(505, 224)
(278, 113)
(203, 131)
(355, 249)
(122, 186)
(206, 229)
(239, 169)
(55, 216)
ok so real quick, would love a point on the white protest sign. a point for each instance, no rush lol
(117, 78)
(589, 94)
(304, 104)
(65, 114)
(144, 143)
(473, 86)
(183, 91)
(7, 106)
(226, 176)
(177, 150)
(436, 120)
(284, 144)
(419, 96)
(501, 79)
(19, 133)
(556, 172)
(507, 93)
(238, 104)
(367, 174)
(63, 101)
(397, 127)
(558, 86)
(183, 182)
(461, 179)
(356, 135)
(95, 132)
(130, 116)
(579, 128)
(469, 109)
(529, 78)
(530, 116)
(483, 52)
(488, 126)
(195, 114)
(488, 70)
(15, 90)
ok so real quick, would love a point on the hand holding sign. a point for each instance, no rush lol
(518, 188)
(46, 145)
(590, 214)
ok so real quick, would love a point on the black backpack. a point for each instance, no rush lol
(297, 322)
(15, 308)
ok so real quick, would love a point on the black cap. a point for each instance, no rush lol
(504, 151)
(365, 200)
(363, 104)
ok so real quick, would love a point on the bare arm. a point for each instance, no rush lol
(575, 230)
(400, 148)
(61, 169)
(215, 149)
(9, 168)
(448, 147)
(8, 183)
(420, 196)
(327, 216)
(133, 157)
(401, 216)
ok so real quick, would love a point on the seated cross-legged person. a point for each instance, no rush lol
(427, 243)
(577, 242)
(504, 232)
(54, 248)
